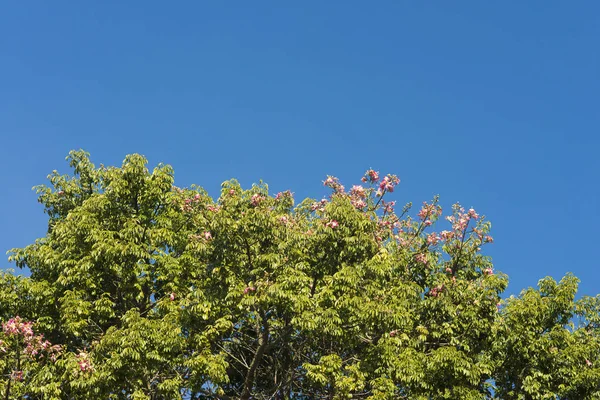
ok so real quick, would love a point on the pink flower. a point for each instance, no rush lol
(488, 271)
(283, 219)
(433, 239)
(332, 224)
(172, 296)
(207, 235)
(473, 214)
(371, 175)
(319, 205)
(231, 192)
(446, 235)
(449, 270)
(359, 204)
(16, 326)
(16, 376)
(334, 183)
(393, 333)
(436, 291)
(85, 364)
(387, 184)
(421, 258)
(588, 363)
(256, 199)
(249, 289)
(358, 191)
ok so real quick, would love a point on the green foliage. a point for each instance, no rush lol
(150, 291)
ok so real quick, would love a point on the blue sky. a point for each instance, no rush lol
(493, 104)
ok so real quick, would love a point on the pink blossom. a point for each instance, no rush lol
(256, 199)
(16, 326)
(84, 362)
(172, 296)
(371, 176)
(473, 214)
(436, 291)
(207, 235)
(421, 258)
(449, 270)
(358, 203)
(388, 183)
(231, 192)
(319, 205)
(433, 239)
(332, 224)
(334, 183)
(249, 289)
(588, 363)
(488, 271)
(393, 333)
(16, 376)
(446, 235)
(358, 191)
(388, 208)
(488, 239)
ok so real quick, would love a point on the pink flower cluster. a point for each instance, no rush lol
(16, 326)
(256, 199)
(358, 194)
(388, 207)
(284, 195)
(16, 376)
(446, 235)
(433, 239)
(436, 291)
(249, 289)
(429, 212)
(421, 258)
(332, 224)
(319, 205)
(371, 176)
(462, 219)
(387, 184)
(35, 345)
(188, 203)
(204, 236)
(334, 183)
(84, 362)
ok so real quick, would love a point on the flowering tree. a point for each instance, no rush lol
(150, 291)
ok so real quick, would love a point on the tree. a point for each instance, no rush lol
(143, 290)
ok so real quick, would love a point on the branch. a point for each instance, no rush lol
(263, 341)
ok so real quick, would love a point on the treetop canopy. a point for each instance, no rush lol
(144, 290)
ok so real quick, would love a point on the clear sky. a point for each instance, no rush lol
(493, 104)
